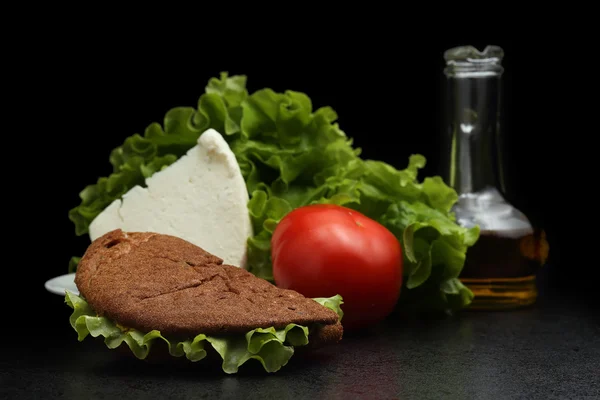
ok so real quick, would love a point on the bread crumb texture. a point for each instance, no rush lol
(147, 281)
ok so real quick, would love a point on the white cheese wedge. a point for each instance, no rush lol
(201, 197)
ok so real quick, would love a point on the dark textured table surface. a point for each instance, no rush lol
(551, 350)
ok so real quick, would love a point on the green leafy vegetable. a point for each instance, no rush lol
(272, 347)
(73, 263)
(333, 303)
(292, 155)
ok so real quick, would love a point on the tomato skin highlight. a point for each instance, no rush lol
(322, 250)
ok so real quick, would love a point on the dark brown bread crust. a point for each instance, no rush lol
(325, 334)
(152, 281)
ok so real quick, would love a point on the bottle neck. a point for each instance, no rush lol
(473, 163)
(472, 158)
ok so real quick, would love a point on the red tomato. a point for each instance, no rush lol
(323, 250)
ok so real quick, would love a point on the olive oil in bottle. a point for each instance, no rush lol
(500, 269)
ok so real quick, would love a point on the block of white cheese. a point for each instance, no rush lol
(201, 197)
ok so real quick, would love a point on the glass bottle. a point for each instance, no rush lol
(501, 267)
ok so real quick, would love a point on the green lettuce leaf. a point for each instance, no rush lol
(291, 155)
(333, 303)
(272, 347)
(73, 263)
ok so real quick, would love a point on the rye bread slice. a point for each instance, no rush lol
(147, 281)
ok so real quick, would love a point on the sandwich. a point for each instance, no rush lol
(151, 289)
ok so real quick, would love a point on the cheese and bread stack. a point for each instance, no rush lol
(167, 261)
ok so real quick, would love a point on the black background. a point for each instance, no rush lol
(86, 99)
(76, 85)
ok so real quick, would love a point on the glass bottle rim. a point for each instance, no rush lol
(468, 61)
